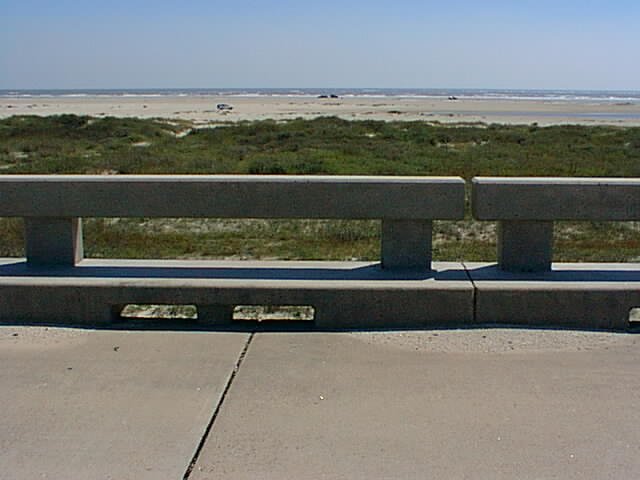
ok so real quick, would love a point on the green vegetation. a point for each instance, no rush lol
(72, 144)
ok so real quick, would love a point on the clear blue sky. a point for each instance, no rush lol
(571, 44)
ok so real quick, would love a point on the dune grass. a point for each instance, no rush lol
(75, 144)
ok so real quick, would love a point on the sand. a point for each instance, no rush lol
(202, 109)
(469, 341)
(500, 340)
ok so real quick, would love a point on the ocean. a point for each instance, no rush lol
(582, 96)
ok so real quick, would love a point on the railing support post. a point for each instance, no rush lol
(53, 241)
(215, 315)
(525, 246)
(406, 244)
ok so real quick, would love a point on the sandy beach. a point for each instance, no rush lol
(202, 109)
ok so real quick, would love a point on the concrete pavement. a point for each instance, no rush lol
(406, 406)
(491, 403)
(82, 404)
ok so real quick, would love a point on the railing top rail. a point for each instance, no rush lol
(315, 179)
(549, 198)
(232, 196)
(558, 181)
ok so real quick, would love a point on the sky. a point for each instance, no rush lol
(542, 44)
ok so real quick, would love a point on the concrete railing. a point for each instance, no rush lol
(527, 207)
(55, 285)
(53, 206)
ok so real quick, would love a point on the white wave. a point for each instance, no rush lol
(370, 93)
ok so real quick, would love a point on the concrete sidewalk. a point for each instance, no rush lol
(83, 404)
(449, 404)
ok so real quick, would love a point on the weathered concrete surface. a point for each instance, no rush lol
(53, 241)
(53, 205)
(411, 406)
(580, 295)
(344, 294)
(525, 246)
(531, 198)
(235, 196)
(406, 244)
(527, 206)
(81, 404)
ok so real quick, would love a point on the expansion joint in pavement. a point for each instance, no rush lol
(212, 421)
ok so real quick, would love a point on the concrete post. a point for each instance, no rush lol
(115, 311)
(525, 246)
(55, 241)
(215, 315)
(406, 244)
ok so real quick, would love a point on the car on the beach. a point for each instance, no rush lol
(224, 106)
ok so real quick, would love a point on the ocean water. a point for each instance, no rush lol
(582, 96)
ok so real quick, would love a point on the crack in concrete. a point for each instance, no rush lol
(475, 292)
(212, 421)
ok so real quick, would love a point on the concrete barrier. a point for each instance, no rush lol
(571, 295)
(405, 289)
(57, 284)
(527, 207)
(54, 205)
(525, 287)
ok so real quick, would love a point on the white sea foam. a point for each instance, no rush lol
(463, 94)
(143, 95)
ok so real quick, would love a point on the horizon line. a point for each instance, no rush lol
(322, 88)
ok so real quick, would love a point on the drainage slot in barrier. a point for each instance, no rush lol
(270, 313)
(169, 312)
(634, 317)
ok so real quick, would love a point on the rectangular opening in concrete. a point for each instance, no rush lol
(170, 312)
(177, 238)
(585, 241)
(270, 313)
(634, 317)
(12, 237)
